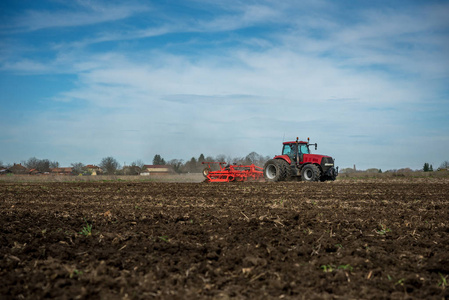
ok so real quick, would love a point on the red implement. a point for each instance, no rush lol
(232, 172)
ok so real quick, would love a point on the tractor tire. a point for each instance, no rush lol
(286, 169)
(206, 172)
(273, 171)
(310, 172)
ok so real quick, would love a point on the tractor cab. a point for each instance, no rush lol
(290, 148)
(296, 150)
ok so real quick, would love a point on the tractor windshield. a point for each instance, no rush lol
(303, 148)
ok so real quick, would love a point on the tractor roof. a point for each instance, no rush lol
(294, 142)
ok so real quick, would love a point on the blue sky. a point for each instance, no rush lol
(366, 80)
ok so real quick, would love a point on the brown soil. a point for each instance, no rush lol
(364, 239)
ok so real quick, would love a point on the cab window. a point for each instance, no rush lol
(287, 150)
(303, 149)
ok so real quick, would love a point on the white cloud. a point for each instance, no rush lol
(247, 16)
(25, 66)
(87, 14)
(272, 93)
(116, 36)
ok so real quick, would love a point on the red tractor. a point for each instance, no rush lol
(296, 162)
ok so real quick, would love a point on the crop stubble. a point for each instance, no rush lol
(363, 239)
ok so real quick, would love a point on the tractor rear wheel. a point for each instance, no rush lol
(310, 172)
(273, 171)
(287, 170)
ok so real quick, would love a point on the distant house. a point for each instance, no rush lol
(93, 169)
(18, 169)
(61, 171)
(157, 170)
(4, 171)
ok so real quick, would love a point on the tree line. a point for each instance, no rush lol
(426, 168)
(109, 165)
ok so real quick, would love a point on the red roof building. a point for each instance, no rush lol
(61, 171)
(18, 169)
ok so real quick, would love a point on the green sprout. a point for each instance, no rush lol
(164, 238)
(346, 267)
(383, 230)
(443, 281)
(327, 268)
(76, 273)
(87, 230)
(331, 268)
(400, 281)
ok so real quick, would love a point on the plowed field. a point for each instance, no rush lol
(122, 240)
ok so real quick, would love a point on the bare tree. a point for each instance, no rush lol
(221, 158)
(135, 168)
(110, 165)
(42, 165)
(444, 164)
(177, 165)
(255, 158)
(31, 163)
(77, 168)
(139, 163)
(54, 164)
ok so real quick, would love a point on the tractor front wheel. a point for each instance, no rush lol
(273, 171)
(310, 173)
